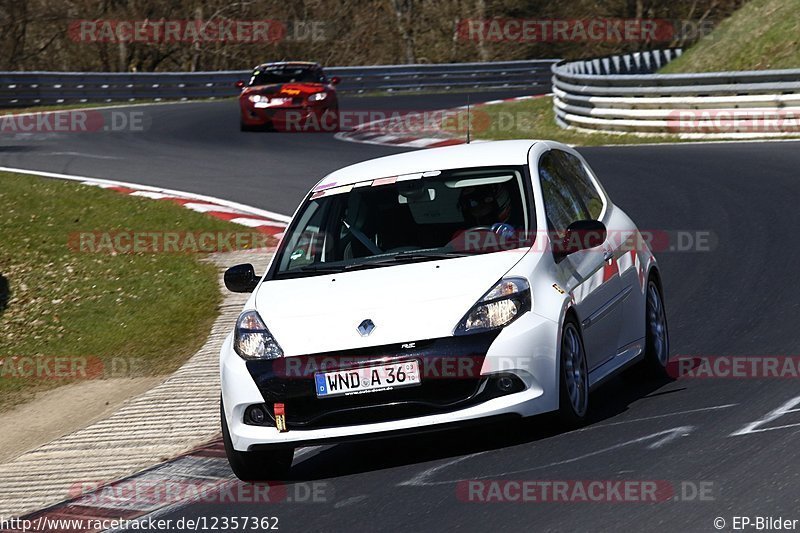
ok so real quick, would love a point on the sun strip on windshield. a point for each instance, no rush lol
(329, 189)
(332, 191)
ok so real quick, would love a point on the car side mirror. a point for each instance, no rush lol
(580, 235)
(239, 84)
(336, 80)
(241, 278)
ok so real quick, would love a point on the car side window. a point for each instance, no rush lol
(578, 177)
(562, 204)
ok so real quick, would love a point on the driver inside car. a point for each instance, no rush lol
(488, 208)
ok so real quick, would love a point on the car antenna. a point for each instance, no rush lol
(468, 119)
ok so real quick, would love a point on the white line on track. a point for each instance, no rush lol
(656, 417)
(80, 154)
(350, 501)
(307, 453)
(120, 105)
(421, 479)
(664, 437)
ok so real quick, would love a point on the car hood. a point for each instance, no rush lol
(410, 302)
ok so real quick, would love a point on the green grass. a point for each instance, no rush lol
(763, 34)
(152, 308)
(535, 119)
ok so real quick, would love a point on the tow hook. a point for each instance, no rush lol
(280, 417)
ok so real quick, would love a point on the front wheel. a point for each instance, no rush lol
(656, 352)
(574, 376)
(255, 466)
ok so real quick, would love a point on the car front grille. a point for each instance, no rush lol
(443, 388)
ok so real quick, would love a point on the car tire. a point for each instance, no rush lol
(573, 376)
(656, 347)
(247, 127)
(330, 117)
(255, 466)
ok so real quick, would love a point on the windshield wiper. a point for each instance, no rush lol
(342, 268)
(384, 260)
(413, 255)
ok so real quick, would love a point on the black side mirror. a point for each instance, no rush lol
(241, 278)
(580, 235)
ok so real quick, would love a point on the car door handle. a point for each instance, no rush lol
(608, 255)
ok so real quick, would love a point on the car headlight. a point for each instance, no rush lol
(499, 307)
(317, 97)
(252, 339)
(257, 98)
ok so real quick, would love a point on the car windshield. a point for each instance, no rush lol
(417, 217)
(285, 74)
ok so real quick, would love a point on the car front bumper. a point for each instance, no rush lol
(290, 118)
(525, 350)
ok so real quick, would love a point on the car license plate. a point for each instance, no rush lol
(367, 379)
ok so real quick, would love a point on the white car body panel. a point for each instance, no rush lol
(411, 302)
(426, 300)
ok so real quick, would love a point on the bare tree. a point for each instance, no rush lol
(404, 13)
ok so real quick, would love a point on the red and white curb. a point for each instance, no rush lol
(379, 132)
(259, 219)
(199, 476)
(174, 416)
(169, 419)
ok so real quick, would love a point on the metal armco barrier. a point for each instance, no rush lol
(19, 89)
(621, 94)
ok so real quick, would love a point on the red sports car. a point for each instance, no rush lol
(288, 96)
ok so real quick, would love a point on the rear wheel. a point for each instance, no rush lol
(574, 386)
(255, 466)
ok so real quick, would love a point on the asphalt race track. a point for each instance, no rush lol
(741, 297)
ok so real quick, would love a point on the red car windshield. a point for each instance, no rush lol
(286, 74)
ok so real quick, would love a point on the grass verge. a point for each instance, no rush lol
(763, 34)
(535, 119)
(95, 314)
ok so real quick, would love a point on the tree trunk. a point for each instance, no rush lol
(404, 12)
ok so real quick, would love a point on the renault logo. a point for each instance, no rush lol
(366, 327)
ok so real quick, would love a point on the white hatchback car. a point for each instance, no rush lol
(435, 288)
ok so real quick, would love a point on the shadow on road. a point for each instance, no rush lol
(346, 459)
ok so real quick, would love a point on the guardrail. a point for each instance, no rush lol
(621, 94)
(37, 88)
